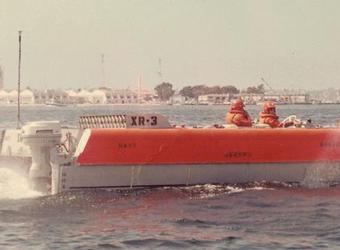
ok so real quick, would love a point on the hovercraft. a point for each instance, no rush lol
(120, 151)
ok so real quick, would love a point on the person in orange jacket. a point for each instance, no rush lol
(237, 115)
(268, 116)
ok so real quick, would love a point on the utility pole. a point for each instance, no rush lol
(1, 78)
(140, 94)
(160, 73)
(103, 70)
(19, 75)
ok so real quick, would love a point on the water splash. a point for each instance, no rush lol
(15, 186)
(321, 175)
(210, 190)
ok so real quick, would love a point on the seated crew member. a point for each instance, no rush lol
(268, 116)
(237, 115)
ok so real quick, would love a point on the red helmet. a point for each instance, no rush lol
(269, 107)
(237, 104)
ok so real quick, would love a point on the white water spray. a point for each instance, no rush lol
(321, 175)
(15, 186)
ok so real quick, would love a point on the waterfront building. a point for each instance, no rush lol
(278, 98)
(3, 96)
(177, 98)
(72, 96)
(145, 95)
(288, 98)
(8, 97)
(12, 96)
(83, 96)
(123, 96)
(26, 96)
(299, 99)
(252, 98)
(98, 96)
(325, 96)
(51, 96)
(214, 99)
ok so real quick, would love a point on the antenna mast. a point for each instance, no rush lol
(1, 78)
(139, 89)
(160, 73)
(103, 70)
(19, 75)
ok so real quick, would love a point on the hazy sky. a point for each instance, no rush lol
(292, 44)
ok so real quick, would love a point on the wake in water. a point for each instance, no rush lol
(15, 186)
(210, 190)
(322, 176)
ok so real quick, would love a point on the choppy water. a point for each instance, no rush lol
(255, 216)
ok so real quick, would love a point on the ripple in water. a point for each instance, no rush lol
(250, 216)
(15, 186)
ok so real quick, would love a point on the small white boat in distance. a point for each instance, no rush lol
(54, 103)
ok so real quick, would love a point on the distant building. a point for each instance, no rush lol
(145, 95)
(3, 96)
(72, 96)
(12, 96)
(50, 96)
(288, 98)
(83, 96)
(214, 99)
(26, 97)
(98, 96)
(325, 96)
(177, 98)
(278, 98)
(123, 96)
(299, 99)
(252, 98)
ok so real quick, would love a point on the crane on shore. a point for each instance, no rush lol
(267, 84)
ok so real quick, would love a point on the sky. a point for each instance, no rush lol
(291, 44)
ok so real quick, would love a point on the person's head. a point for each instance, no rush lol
(237, 104)
(269, 108)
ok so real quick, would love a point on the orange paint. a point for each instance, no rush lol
(210, 146)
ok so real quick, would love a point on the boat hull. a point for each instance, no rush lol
(208, 146)
(168, 175)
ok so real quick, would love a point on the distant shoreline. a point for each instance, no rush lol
(152, 104)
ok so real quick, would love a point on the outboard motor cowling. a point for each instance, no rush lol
(41, 137)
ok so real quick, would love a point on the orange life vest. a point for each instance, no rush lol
(270, 119)
(239, 118)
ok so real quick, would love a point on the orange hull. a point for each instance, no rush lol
(209, 146)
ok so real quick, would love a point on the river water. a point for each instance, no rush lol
(252, 216)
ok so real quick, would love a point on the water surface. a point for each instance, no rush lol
(253, 216)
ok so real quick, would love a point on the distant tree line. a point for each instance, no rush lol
(259, 89)
(165, 91)
(195, 91)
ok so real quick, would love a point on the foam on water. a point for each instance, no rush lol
(15, 186)
(323, 175)
(211, 190)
